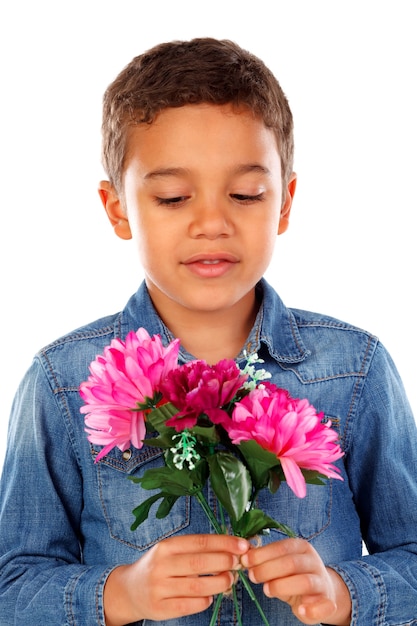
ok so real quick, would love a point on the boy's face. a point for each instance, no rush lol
(202, 199)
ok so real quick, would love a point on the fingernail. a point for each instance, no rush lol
(243, 545)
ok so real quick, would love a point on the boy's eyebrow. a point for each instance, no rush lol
(244, 168)
(166, 171)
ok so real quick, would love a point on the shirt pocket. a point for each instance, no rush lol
(119, 496)
(307, 517)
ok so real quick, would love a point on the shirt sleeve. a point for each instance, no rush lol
(42, 576)
(382, 466)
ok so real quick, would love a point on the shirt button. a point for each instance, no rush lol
(127, 455)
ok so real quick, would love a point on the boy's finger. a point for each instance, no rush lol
(205, 543)
(200, 564)
(314, 609)
(274, 550)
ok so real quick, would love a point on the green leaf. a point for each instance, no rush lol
(259, 462)
(156, 421)
(276, 476)
(205, 434)
(255, 522)
(162, 441)
(166, 505)
(197, 476)
(312, 477)
(231, 483)
(141, 512)
(169, 480)
(200, 474)
(158, 417)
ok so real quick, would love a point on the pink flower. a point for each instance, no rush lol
(198, 388)
(289, 428)
(126, 375)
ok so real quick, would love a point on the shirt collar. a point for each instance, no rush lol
(275, 325)
(279, 329)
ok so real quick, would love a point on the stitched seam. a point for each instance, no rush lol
(169, 532)
(68, 597)
(355, 395)
(78, 336)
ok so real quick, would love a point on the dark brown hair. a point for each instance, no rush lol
(177, 73)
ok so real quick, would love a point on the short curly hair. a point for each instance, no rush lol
(177, 73)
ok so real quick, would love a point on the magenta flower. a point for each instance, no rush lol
(289, 428)
(126, 375)
(198, 388)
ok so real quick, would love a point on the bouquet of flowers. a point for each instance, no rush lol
(215, 423)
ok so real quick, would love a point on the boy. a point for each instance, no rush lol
(198, 148)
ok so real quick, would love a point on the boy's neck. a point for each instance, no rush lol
(211, 335)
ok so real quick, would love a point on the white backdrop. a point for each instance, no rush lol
(348, 68)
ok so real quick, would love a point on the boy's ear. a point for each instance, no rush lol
(284, 219)
(114, 209)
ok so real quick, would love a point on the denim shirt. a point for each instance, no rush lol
(65, 521)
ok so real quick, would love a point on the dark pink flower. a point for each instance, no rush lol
(289, 428)
(198, 388)
(127, 374)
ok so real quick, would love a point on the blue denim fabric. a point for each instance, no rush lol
(65, 521)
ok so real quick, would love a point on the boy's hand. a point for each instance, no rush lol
(292, 571)
(179, 576)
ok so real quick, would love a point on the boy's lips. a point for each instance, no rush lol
(210, 265)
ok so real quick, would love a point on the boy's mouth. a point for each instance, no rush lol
(210, 265)
(210, 258)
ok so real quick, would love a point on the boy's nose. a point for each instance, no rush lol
(211, 219)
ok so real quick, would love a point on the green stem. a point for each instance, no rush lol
(244, 580)
(209, 513)
(216, 609)
(252, 596)
(236, 603)
(222, 520)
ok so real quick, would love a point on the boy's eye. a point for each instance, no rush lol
(171, 201)
(242, 198)
(246, 198)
